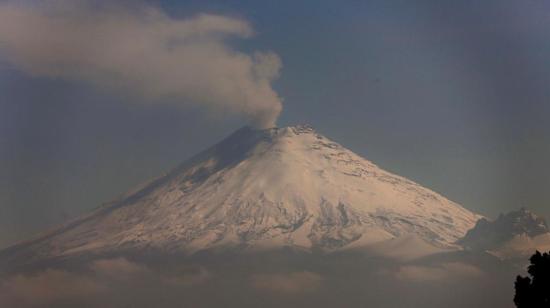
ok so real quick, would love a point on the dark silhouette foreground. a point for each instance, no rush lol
(534, 291)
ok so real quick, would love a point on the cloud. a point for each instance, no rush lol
(118, 268)
(47, 287)
(414, 273)
(143, 52)
(103, 279)
(287, 283)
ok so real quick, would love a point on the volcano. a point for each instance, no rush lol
(261, 190)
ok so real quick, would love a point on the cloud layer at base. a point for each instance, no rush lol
(102, 279)
(293, 283)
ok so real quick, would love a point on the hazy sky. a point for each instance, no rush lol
(452, 94)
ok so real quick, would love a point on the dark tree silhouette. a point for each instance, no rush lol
(534, 291)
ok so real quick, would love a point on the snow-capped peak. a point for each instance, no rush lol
(264, 189)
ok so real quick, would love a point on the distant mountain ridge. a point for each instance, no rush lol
(512, 235)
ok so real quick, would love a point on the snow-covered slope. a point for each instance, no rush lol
(261, 189)
(513, 235)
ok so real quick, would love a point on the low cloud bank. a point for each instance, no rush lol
(46, 288)
(287, 283)
(101, 280)
(442, 272)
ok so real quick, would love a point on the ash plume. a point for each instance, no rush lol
(140, 51)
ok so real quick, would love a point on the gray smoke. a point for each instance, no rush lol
(143, 52)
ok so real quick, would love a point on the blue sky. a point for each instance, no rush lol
(453, 95)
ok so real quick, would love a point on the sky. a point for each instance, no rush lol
(451, 94)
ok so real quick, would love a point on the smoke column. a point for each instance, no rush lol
(143, 52)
